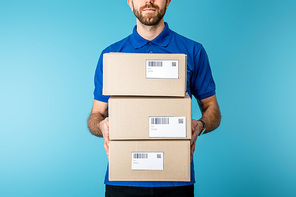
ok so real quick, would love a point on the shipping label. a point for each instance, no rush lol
(167, 126)
(147, 160)
(162, 69)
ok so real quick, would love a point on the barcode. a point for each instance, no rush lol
(158, 156)
(154, 64)
(140, 156)
(160, 121)
(180, 121)
(174, 64)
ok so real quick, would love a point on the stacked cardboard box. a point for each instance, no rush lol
(149, 116)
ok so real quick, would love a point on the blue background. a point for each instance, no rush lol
(48, 54)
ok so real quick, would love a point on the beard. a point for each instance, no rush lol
(150, 19)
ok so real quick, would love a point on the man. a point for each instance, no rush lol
(152, 35)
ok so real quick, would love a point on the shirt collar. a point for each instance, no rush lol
(163, 39)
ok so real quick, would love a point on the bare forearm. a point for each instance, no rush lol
(212, 118)
(94, 122)
(211, 115)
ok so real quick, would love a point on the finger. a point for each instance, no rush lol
(106, 131)
(106, 146)
(194, 123)
(191, 152)
(107, 122)
(193, 137)
(106, 135)
(193, 127)
(192, 140)
(196, 132)
(106, 149)
(106, 140)
(193, 148)
(107, 154)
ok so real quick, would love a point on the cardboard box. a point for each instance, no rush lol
(144, 74)
(146, 118)
(148, 160)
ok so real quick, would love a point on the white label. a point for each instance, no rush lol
(162, 69)
(167, 126)
(147, 161)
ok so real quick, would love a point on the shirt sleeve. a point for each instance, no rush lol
(203, 85)
(98, 80)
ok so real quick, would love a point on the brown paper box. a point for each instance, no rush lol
(129, 117)
(176, 160)
(126, 74)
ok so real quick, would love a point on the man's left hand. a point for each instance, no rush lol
(196, 129)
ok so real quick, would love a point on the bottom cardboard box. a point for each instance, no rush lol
(160, 160)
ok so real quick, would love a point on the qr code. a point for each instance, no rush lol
(174, 64)
(158, 156)
(180, 121)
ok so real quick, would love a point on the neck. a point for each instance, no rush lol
(150, 32)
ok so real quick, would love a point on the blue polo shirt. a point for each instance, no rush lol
(200, 82)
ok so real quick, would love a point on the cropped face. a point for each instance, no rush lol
(149, 12)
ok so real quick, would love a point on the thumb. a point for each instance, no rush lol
(107, 121)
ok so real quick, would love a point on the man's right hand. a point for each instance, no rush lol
(98, 122)
(104, 127)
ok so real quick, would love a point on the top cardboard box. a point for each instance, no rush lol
(144, 74)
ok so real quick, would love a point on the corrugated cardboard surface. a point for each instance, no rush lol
(125, 74)
(176, 160)
(129, 116)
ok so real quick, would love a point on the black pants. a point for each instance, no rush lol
(122, 191)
